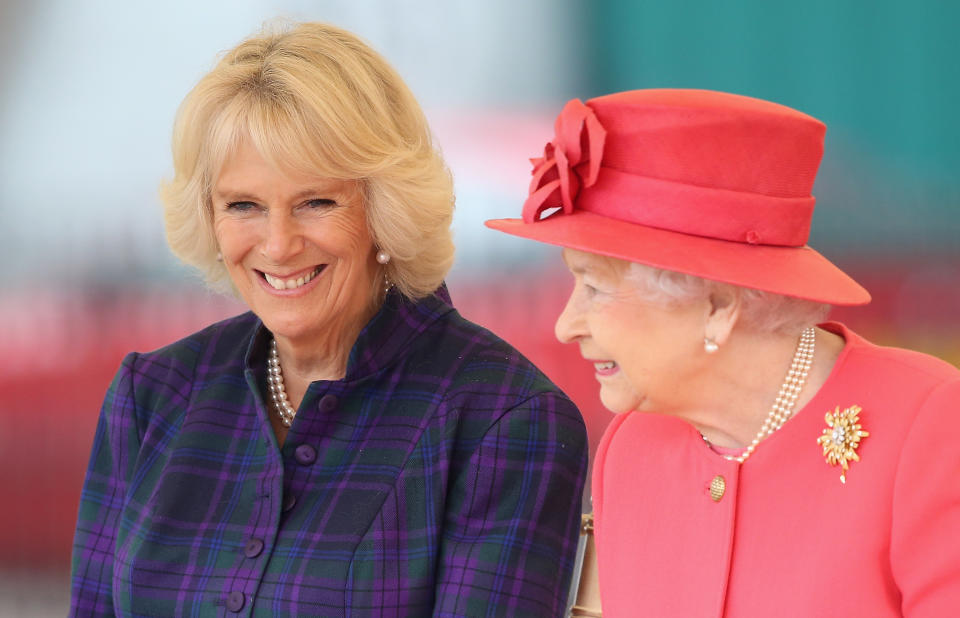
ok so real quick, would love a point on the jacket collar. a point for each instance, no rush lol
(381, 342)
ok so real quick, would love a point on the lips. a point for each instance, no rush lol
(606, 368)
(292, 283)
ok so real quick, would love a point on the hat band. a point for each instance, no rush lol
(714, 213)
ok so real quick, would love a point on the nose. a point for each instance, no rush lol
(570, 324)
(283, 238)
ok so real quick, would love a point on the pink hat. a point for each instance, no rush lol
(706, 183)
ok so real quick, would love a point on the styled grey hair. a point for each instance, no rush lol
(762, 311)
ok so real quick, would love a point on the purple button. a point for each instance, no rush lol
(236, 601)
(305, 454)
(328, 403)
(253, 548)
(289, 501)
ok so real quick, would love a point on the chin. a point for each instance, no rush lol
(288, 326)
(617, 403)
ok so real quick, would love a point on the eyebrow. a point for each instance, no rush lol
(320, 193)
(234, 196)
(315, 192)
(576, 268)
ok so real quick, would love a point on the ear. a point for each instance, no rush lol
(723, 312)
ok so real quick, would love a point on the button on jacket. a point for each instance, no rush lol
(441, 476)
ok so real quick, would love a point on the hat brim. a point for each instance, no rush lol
(799, 272)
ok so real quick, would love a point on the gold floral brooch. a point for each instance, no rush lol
(841, 438)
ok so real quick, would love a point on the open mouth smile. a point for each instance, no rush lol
(293, 282)
(605, 368)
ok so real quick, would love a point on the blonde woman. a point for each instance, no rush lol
(351, 446)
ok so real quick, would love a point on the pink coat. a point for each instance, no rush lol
(787, 539)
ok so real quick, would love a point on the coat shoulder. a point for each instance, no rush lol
(230, 336)
(163, 380)
(481, 367)
(896, 370)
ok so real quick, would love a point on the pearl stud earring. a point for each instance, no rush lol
(383, 257)
(710, 346)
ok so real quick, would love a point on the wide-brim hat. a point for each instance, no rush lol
(705, 183)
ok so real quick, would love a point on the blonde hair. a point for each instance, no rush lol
(764, 312)
(316, 99)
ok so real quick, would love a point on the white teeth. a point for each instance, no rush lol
(605, 366)
(291, 284)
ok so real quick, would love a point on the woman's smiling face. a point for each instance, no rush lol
(644, 354)
(297, 246)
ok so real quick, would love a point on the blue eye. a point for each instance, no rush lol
(321, 203)
(240, 206)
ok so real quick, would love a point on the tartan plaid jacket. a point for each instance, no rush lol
(442, 476)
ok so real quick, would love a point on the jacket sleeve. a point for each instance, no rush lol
(925, 540)
(115, 446)
(512, 515)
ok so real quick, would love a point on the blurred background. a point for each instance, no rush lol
(88, 91)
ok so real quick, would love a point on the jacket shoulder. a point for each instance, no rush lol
(913, 370)
(164, 379)
(228, 335)
(481, 365)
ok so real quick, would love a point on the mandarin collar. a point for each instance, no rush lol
(382, 340)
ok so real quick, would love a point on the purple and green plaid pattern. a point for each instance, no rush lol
(442, 476)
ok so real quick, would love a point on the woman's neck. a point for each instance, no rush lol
(744, 378)
(323, 356)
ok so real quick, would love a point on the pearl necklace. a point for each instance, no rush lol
(787, 397)
(277, 390)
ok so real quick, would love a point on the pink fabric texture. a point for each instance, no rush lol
(787, 538)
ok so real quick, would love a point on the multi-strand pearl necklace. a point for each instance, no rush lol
(787, 397)
(278, 391)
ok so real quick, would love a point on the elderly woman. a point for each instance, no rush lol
(760, 464)
(351, 445)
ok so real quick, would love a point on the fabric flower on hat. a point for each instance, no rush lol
(557, 179)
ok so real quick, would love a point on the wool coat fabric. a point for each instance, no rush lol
(442, 476)
(787, 538)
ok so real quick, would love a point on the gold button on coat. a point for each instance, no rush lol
(717, 486)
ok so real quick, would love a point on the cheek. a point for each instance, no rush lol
(612, 325)
(234, 237)
(357, 243)
(632, 339)
(345, 235)
(354, 236)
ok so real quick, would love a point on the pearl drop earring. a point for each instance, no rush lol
(382, 258)
(710, 346)
(219, 256)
